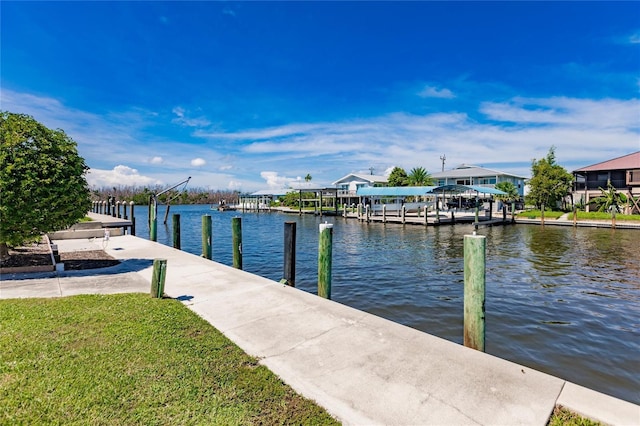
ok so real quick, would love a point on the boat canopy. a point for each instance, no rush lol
(393, 191)
(404, 191)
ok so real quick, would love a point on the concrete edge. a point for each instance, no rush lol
(598, 406)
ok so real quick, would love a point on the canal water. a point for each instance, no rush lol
(561, 300)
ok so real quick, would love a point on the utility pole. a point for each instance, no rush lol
(443, 157)
(371, 169)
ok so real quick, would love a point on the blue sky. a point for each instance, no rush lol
(252, 95)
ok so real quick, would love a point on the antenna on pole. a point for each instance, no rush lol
(371, 169)
(443, 157)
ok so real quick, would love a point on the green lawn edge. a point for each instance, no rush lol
(130, 359)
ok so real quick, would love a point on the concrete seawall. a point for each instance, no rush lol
(363, 369)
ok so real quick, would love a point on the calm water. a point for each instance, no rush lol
(561, 300)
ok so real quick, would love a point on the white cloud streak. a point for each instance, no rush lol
(435, 92)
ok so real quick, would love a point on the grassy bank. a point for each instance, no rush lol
(129, 359)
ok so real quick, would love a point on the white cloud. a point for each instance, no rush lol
(275, 181)
(225, 167)
(634, 38)
(434, 92)
(198, 162)
(184, 120)
(120, 176)
(157, 160)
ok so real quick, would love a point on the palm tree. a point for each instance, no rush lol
(419, 176)
(510, 189)
(307, 178)
(610, 199)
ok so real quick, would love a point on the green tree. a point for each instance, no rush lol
(419, 176)
(510, 189)
(549, 183)
(308, 178)
(398, 177)
(42, 181)
(610, 199)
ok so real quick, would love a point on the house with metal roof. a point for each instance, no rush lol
(470, 175)
(623, 173)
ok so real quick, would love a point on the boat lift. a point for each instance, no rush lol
(153, 210)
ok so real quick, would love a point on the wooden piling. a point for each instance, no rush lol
(403, 213)
(575, 216)
(367, 212)
(504, 213)
(176, 231)
(325, 242)
(384, 213)
(613, 218)
(158, 278)
(206, 236)
(474, 291)
(542, 215)
(290, 253)
(133, 219)
(236, 239)
(118, 214)
(426, 221)
(476, 219)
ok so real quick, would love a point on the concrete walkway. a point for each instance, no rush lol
(361, 368)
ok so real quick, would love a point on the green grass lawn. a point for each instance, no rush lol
(130, 359)
(534, 214)
(604, 216)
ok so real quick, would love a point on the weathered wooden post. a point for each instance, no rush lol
(438, 209)
(113, 207)
(124, 210)
(176, 231)
(384, 213)
(206, 236)
(359, 211)
(476, 219)
(325, 242)
(513, 211)
(453, 217)
(575, 216)
(153, 220)
(403, 213)
(367, 214)
(426, 222)
(133, 219)
(290, 253)
(118, 214)
(504, 213)
(158, 278)
(474, 291)
(344, 212)
(542, 215)
(104, 208)
(613, 218)
(236, 240)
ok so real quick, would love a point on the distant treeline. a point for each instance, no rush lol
(140, 195)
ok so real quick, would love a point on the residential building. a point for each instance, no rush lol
(347, 186)
(623, 173)
(467, 174)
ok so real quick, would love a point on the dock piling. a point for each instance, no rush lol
(236, 239)
(325, 241)
(474, 291)
(290, 253)
(176, 230)
(206, 236)
(158, 278)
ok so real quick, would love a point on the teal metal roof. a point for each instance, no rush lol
(465, 188)
(404, 191)
(394, 191)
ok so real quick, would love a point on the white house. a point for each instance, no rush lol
(467, 174)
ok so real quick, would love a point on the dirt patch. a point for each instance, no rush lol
(37, 254)
(93, 259)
